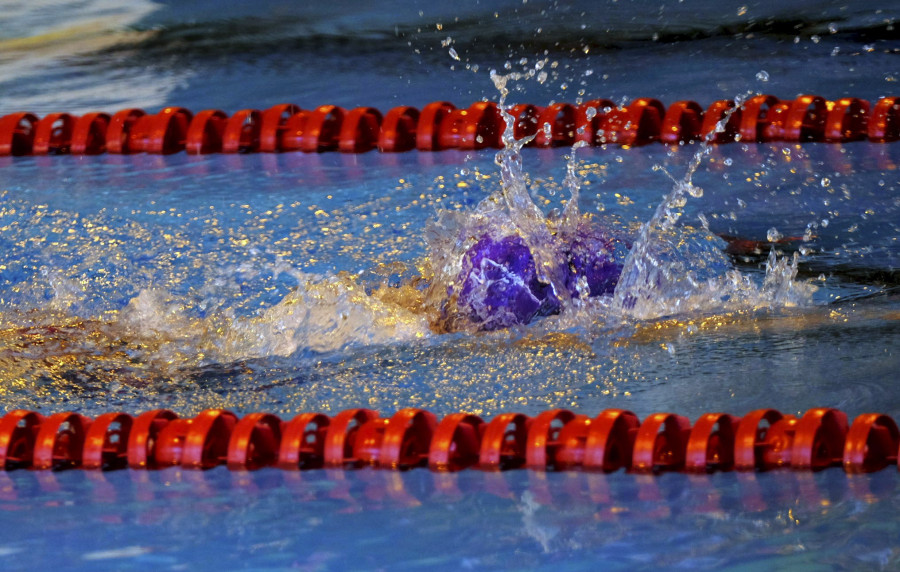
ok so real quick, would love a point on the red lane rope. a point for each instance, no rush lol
(557, 439)
(441, 125)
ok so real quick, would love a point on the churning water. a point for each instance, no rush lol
(756, 275)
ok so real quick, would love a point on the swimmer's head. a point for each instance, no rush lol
(499, 285)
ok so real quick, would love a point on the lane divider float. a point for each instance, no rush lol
(553, 440)
(441, 125)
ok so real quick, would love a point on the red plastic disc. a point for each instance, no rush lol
(292, 135)
(204, 135)
(847, 120)
(274, 124)
(778, 446)
(17, 133)
(569, 453)
(504, 442)
(756, 114)
(359, 132)
(254, 442)
(637, 124)
(610, 440)
(590, 121)
(711, 443)
(142, 439)
(119, 136)
(805, 119)
(53, 134)
(341, 435)
(681, 123)
(543, 438)
(749, 436)
(819, 439)
(206, 442)
(241, 133)
(713, 115)
(368, 441)
(455, 443)
(407, 438)
(303, 442)
(322, 129)
(525, 120)
(429, 131)
(884, 123)
(872, 444)
(89, 134)
(169, 449)
(106, 442)
(18, 433)
(562, 119)
(162, 134)
(398, 130)
(60, 441)
(661, 443)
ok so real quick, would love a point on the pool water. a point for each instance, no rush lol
(136, 282)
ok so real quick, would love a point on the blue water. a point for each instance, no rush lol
(128, 283)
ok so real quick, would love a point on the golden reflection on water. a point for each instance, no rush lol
(752, 322)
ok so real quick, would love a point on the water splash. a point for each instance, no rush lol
(165, 325)
(670, 268)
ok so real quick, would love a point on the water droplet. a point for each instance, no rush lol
(694, 191)
(762, 75)
(728, 161)
(832, 27)
(742, 11)
(826, 182)
(453, 54)
(772, 235)
(835, 51)
(815, 39)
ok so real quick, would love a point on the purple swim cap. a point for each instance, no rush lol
(591, 254)
(500, 286)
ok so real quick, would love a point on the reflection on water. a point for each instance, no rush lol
(718, 522)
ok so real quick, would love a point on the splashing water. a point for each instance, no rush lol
(672, 270)
(668, 270)
(570, 269)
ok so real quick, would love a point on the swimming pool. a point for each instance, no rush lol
(134, 282)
